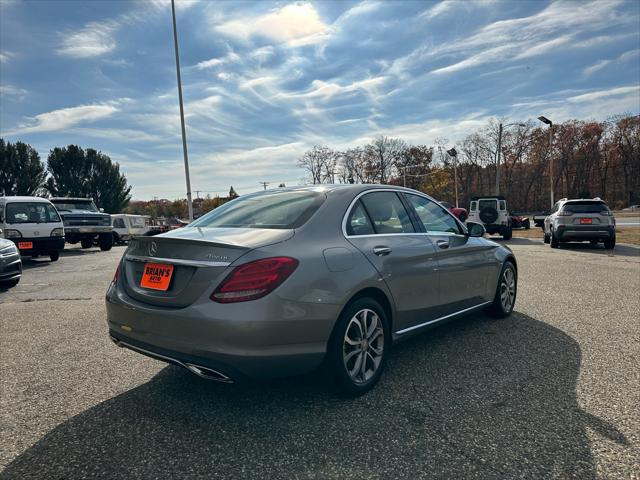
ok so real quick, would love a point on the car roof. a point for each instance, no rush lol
(24, 199)
(488, 197)
(353, 187)
(72, 199)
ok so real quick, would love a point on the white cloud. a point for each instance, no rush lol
(231, 57)
(596, 66)
(65, 118)
(93, 40)
(294, 25)
(12, 90)
(599, 94)
(326, 90)
(5, 56)
(180, 4)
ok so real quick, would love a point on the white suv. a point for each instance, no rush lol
(579, 220)
(492, 213)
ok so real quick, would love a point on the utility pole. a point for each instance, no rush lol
(184, 133)
(550, 123)
(264, 184)
(452, 152)
(498, 160)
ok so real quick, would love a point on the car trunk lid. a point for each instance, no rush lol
(199, 256)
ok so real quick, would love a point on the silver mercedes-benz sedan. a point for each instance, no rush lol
(284, 281)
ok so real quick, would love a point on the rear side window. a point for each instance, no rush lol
(119, 223)
(474, 206)
(387, 213)
(271, 209)
(585, 207)
(358, 222)
(503, 205)
(31, 212)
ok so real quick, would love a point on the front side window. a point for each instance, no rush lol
(387, 213)
(358, 222)
(433, 217)
(31, 212)
(503, 205)
(271, 209)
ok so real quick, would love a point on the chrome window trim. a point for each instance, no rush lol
(176, 261)
(395, 190)
(415, 327)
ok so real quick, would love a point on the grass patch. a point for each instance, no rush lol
(623, 235)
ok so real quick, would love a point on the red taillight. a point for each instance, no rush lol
(254, 279)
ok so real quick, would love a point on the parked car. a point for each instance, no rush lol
(491, 211)
(632, 208)
(580, 220)
(84, 223)
(10, 263)
(33, 224)
(460, 213)
(127, 226)
(538, 219)
(277, 283)
(520, 221)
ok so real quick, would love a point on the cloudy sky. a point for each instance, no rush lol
(264, 81)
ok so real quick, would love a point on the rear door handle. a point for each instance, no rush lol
(442, 244)
(381, 251)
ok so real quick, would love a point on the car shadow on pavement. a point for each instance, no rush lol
(475, 398)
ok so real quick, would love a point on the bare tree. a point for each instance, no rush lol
(382, 154)
(319, 162)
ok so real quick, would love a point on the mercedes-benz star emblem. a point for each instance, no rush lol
(153, 249)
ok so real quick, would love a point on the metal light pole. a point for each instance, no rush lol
(184, 133)
(500, 150)
(452, 152)
(550, 123)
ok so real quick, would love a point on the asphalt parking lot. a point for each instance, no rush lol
(550, 392)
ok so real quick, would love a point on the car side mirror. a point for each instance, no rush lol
(475, 229)
(101, 210)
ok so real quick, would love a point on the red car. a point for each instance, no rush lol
(460, 213)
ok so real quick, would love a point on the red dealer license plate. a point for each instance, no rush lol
(585, 221)
(156, 276)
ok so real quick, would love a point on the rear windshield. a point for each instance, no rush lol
(487, 203)
(281, 210)
(31, 212)
(585, 207)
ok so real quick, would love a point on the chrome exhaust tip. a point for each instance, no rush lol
(208, 373)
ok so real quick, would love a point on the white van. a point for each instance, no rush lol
(33, 224)
(126, 226)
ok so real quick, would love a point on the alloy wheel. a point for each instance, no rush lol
(507, 289)
(363, 346)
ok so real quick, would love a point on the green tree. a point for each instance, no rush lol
(75, 172)
(21, 170)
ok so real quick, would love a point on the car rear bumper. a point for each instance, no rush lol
(41, 245)
(262, 339)
(578, 232)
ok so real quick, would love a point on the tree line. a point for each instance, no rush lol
(70, 172)
(589, 159)
(178, 208)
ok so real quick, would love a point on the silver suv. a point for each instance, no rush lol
(579, 220)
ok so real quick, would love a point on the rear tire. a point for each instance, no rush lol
(508, 233)
(54, 256)
(116, 239)
(610, 243)
(86, 243)
(527, 224)
(348, 348)
(505, 297)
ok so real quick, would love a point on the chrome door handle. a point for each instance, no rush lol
(381, 251)
(442, 244)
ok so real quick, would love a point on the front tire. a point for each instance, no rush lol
(508, 233)
(358, 347)
(54, 256)
(105, 241)
(546, 239)
(505, 297)
(555, 243)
